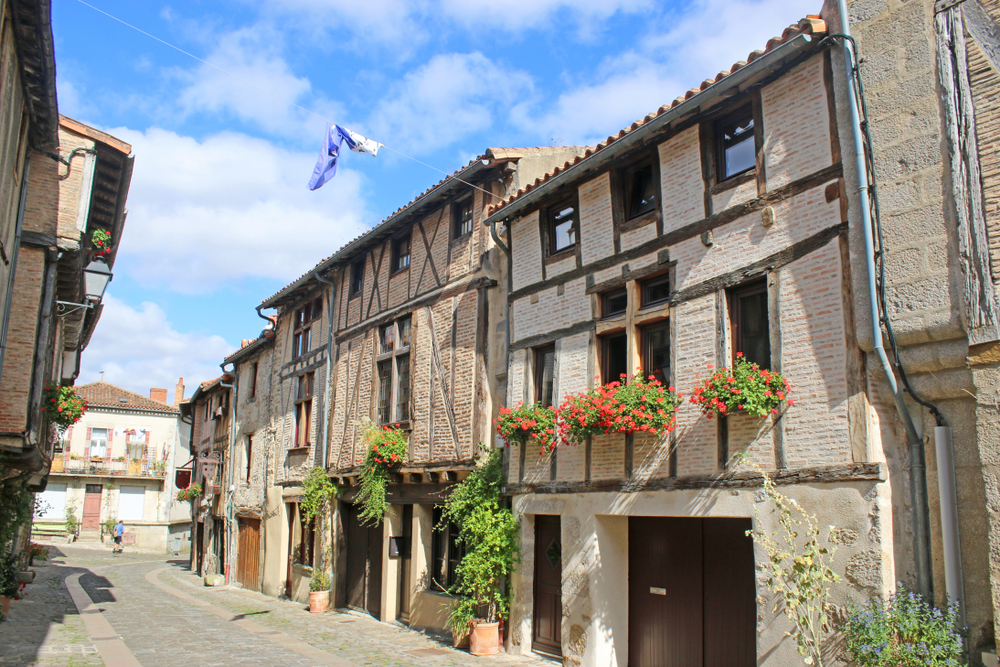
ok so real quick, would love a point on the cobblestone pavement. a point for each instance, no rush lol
(167, 617)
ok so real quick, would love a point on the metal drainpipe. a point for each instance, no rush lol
(918, 475)
(329, 357)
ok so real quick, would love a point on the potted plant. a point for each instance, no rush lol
(387, 449)
(101, 240)
(108, 526)
(319, 592)
(743, 388)
(72, 523)
(638, 405)
(62, 406)
(533, 421)
(9, 588)
(489, 531)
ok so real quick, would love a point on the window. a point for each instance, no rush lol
(545, 363)
(748, 318)
(562, 226)
(400, 254)
(302, 336)
(446, 552)
(462, 217)
(656, 351)
(734, 139)
(306, 546)
(249, 456)
(614, 302)
(253, 380)
(99, 442)
(614, 357)
(393, 369)
(136, 450)
(640, 191)
(303, 409)
(655, 290)
(357, 277)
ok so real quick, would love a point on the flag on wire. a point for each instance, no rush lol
(333, 140)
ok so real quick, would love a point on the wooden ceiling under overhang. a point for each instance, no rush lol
(33, 30)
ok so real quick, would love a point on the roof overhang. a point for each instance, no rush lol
(727, 87)
(247, 351)
(33, 30)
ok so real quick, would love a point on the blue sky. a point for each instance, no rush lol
(219, 214)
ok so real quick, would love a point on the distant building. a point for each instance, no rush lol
(119, 462)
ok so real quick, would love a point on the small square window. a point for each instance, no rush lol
(357, 277)
(640, 191)
(614, 302)
(462, 217)
(655, 290)
(614, 357)
(749, 320)
(562, 226)
(400, 253)
(734, 137)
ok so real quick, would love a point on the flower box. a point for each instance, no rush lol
(525, 423)
(640, 405)
(745, 388)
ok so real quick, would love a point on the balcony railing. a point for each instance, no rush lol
(139, 468)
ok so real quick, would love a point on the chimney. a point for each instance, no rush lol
(179, 392)
(158, 395)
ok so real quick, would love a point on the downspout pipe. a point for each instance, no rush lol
(918, 473)
(329, 363)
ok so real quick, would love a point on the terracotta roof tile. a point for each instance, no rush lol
(811, 25)
(103, 394)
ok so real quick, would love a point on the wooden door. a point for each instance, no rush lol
(92, 507)
(290, 511)
(691, 593)
(546, 635)
(248, 555)
(364, 565)
(403, 614)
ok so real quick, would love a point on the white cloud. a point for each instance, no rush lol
(207, 213)
(445, 100)
(138, 348)
(663, 66)
(517, 15)
(359, 24)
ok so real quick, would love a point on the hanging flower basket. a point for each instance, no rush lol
(529, 422)
(743, 388)
(62, 406)
(638, 405)
(387, 450)
(101, 240)
(191, 493)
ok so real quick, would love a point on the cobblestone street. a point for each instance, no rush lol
(138, 609)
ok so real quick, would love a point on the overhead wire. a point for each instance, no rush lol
(272, 94)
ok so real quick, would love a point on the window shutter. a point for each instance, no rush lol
(107, 451)
(86, 445)
(68, 439)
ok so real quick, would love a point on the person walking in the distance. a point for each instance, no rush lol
(118, 532)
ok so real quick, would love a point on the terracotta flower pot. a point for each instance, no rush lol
(5, 606)
(484, 639)
(319, 601)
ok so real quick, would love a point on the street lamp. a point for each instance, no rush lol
(96, 277)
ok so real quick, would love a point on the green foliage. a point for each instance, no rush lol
(903, 631)
(191, 493)
(642, 404)
(16, 508)
(318, 490)
(109, 525)
(101, 240)
(798, 567)
(159, 468)
(8, 575)
(62, 406)
(72, 523)
(37, 551)
(320, 581)
(745, 387)
(387, 447)
(490, 533)
(528, 422)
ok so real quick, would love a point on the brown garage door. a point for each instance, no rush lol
(364, 564)
(248, 555)
(691, 593)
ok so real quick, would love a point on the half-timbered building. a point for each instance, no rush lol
(714, 227)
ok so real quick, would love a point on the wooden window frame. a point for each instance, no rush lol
(733, 296)
(253, 380)
(445, 548)
(106, 443)
(392, 356)
(735, 113)
(357, 283)
(548, 221)
(305, 386)
(622, 192)
(605, 357)
(305, 315)
(457, 209)
(538, 367)
(305, 551)
(249, 455)
(645, 347)
(397, 257)
(605, 296)
(645, 286)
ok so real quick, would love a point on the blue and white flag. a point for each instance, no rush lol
(333, 140)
